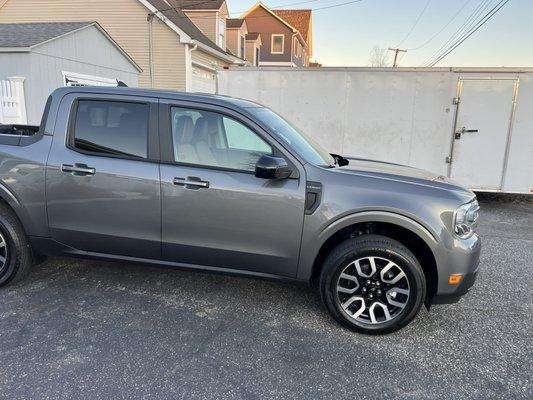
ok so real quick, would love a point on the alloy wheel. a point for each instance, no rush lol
(373, 290)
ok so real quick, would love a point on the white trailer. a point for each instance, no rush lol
(474, 125)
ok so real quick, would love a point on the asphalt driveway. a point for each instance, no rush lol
(95, 330)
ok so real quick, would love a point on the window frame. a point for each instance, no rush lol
(242, 47)
(152, 145)
(167, 144)
(272, 36)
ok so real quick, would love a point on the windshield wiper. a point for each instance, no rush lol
(340, 160)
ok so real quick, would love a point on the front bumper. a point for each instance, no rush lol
(461, 258)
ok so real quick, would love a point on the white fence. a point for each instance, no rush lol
(473, 125)
(12, 102)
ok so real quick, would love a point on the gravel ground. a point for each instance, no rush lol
(95, 330)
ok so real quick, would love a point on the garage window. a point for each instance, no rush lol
(111, 128)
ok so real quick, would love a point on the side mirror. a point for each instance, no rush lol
(269, 167)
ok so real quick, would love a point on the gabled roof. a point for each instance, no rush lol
(197, 4)
(32, 34)
(25, 36)
(300, 19)
(234, 23)
(252, 36)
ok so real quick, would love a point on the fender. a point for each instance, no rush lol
(311, 248)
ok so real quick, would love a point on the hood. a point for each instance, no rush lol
(399, 172)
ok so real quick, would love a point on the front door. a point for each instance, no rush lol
(481, 133)
(102, 183)
(215, 212)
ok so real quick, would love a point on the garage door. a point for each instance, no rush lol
(203, 80)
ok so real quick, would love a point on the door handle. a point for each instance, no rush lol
(464, 130)
(191, 181)
(77, 169)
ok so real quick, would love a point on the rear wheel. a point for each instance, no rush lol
(15, 253)
(372, 284)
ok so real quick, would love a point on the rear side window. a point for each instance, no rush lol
(112, 127)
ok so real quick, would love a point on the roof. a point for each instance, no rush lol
(234, 22)
(32, 34)
(252, 36)
(178, 18)
(300, 19)
(22, 37)
(197, 4)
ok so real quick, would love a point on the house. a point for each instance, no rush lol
(171, 50)
(236, 31)
(286, 35)
(39, 57)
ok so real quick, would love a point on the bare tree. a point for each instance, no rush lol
(379, 57)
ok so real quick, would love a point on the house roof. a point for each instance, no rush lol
(234, 22)
(252, 36)
(197, 4)
(31, 34)
(178, 18)
(22, 37)
(300, 19)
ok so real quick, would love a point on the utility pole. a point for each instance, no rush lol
(396, 51)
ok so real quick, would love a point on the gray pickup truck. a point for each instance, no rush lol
(221, 184)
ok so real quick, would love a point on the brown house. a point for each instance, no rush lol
(286, 35)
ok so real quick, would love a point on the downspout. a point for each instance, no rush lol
(150, 19)
(190, 47)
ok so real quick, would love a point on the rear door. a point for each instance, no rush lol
(225, 217)
(102, 186)
(482, 132)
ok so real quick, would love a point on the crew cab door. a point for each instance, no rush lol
(102, 177)
(215, 211)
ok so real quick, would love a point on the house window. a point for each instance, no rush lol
(277, 45)
(222, 33)
(257, 53)
(242, 48)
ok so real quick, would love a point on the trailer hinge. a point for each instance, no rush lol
(448, 159)
(456, 100)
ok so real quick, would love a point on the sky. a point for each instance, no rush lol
(346, 35)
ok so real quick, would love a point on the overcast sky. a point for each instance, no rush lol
(345, 35)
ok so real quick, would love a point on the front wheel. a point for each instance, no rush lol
(372, 284)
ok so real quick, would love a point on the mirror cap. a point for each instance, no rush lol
(269, 167)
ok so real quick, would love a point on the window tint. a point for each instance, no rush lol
(112, 127)
(212, 139)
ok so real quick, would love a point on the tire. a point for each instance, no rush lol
(15, 251)
(375, 269)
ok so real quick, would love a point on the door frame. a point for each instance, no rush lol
(457, 103)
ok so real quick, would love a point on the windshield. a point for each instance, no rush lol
(301, 143)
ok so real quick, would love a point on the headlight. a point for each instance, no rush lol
(465, 219)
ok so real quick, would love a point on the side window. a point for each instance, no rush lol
(212, 139)
(112, 127)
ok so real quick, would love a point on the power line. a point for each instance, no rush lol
(258, 16)
(482, 6)
(442, 29)
(396, 51)
(482, 22)
(415, 24)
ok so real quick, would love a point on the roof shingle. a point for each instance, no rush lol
(299, 19)
(31, 34)
(197, 4)
(234, 22)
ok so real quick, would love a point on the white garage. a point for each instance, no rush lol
(203, 79)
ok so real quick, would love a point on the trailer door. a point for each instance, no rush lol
(481, 136)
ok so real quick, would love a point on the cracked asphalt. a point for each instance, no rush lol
(98, 330)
